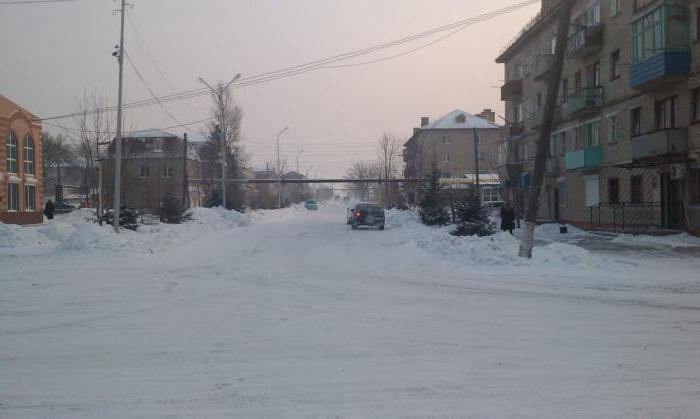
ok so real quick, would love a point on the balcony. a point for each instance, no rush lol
(543, 67)
(515, 130)
(537, 116)
(584, 42)
(586, 158)
(661, 69)
(512, 89)
(552, 165)
(660, 145)
(584, 102)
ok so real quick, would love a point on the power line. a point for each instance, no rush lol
(7, 3)
(323, 63)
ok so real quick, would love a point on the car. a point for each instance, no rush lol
(310, 205)
(367, 214)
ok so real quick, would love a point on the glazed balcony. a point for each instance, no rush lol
(512, 89)
(515, 130)
(661, 69)
(660, 144)
(584, 102)
(586, 41)
(586, 158)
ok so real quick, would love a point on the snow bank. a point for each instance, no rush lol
(675, 240)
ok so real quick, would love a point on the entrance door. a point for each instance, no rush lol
(671, 210)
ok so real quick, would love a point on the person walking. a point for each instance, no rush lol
(49, 209)
(507, 218)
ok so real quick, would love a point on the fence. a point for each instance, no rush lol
(626, 216)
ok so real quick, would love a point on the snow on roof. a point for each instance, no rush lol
(458, 119)
(150, 133)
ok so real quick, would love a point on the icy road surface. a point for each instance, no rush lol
(295, 315)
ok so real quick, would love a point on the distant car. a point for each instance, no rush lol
(310, 205)
(366, 214)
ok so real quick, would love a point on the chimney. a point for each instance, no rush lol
(488, 115)
(424, 122)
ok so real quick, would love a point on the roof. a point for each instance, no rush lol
(458, 119)
(532, 28)
(150, 133)
(7, 107)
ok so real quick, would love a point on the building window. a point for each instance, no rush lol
(539, 101)
(613, 129)
(578, 81)
(696, 105)
(145, 172)
(446, 157)
(614, 190)
(694, 187)
(593, 15)
(12, 153)
(167, 171)
(28, 155)
(445, 139)
(615, 65)
(649, 34)
(636, 122)
(564, 90)
(593, 75)
(636, 189)
(29, 198)
(592, 134)
(614, 7)
(665, 115)
(592, 190)
(562, 194)
(12, 197)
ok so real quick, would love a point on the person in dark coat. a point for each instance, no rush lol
(49, 210)
(507, 218)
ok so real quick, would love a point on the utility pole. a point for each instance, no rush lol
(528, 239)
(476, 164)
(116, 216)
(279, 169)
(219, 95)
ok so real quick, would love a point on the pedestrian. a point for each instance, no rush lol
(507, 218)
(49, 210)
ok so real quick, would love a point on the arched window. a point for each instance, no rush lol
(28, 155)
(12, 153)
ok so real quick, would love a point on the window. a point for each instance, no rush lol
(445, 139)
(28, 155)
(29, 198)
(612, 129)
(481, 139)
(578, 81)
(650, 35)
(12, 153)
(592, 190)
(665, 115)
(614, 7)
(562, 194)
(636, 122)
(145, 172)
(12, 197)
(697, 24)
(564, 89)
(615, 65)
(696, 105)
(519, 112)
(593, 75)
(489, 194)
(539, 101)
(446, 157)
(592, 131)
(593, 15)
(636, 189)
(614, 190)
(694, 186)
(167, 171)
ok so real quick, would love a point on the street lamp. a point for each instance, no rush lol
(219, 95)
(279, 170)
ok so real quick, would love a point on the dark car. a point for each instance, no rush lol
(371, 215)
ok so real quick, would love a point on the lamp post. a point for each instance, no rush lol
(219, 95)
(279, 169)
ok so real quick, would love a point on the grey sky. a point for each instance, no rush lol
(53, 52)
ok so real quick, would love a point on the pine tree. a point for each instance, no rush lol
(472, 218)
(432, 207)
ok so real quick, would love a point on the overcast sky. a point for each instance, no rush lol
(52, 52)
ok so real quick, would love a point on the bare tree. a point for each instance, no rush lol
(388, 152)
(363, 170)
(95, 130)
(55, 151)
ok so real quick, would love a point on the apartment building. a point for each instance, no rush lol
(447, 145)
(20, 165)
(625, 147)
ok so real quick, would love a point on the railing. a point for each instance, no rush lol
(585, 100)
(585, 41)
(627, 216)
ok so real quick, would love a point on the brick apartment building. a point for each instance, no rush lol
(20, 165)
(156, 166)
(447, 145)
(625, 148)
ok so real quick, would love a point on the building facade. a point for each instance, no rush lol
(20, 165)
(157, 167)
(447, 146)
(625, 146)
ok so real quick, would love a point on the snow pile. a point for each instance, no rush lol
(675, 240)
(14, 236)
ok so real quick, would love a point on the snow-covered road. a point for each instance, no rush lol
(296, 315)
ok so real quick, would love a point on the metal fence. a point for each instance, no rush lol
(627, 216)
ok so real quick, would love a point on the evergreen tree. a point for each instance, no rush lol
(234, 191)
(472, 218)
(432, 207)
